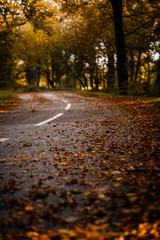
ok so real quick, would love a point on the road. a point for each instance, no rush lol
(68, 161)
(45, 119)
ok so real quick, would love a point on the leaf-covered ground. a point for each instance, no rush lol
(97, 176)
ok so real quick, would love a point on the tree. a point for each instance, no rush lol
(10, 19)
(78, 42)
(120, 46)
(141, 20)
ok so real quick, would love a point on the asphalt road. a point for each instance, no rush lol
(21, 133)
(66, 159)
(20, 126)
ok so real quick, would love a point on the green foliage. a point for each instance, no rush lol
(5, 95)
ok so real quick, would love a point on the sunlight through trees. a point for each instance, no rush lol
(101, 45)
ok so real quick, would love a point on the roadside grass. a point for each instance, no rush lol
(5, 96)
(127, 97)
(99, 93)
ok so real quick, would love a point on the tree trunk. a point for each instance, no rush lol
(148, 82)
(137, 66)
(49, 82)
(131, 67)
(38, 72)
(157, 82)
(91, 77)
(96, 79)
(67, 69)
(111, 71)
(85, 80)
(53, 70)
(120, 46)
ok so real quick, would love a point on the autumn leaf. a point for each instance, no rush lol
(95, 228)
(82, 232)
(32, 234)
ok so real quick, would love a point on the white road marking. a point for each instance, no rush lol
(50, 119)
(68, 106)
(3, 139)
(57, 116)
(65, 101)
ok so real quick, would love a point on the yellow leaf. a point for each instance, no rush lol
(142, 233)
(100, 175)
(55, 163)
(88, 193)
(134, 232)
(32, 234)
(44, 237)
(64, 163)
(116, 184)
(101, 196)
(2, 160)
(24, 158)
(126, 233)
(29, 208)
(83, 232)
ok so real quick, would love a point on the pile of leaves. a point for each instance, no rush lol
(8, 104)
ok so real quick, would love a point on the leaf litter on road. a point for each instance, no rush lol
(99, 181)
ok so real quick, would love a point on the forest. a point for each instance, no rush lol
(79, 119)
(108, 45)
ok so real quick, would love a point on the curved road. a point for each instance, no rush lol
(66, 161)
(44, 118)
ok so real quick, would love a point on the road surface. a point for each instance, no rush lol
(67, 161)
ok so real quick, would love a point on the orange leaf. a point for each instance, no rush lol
(83, 232)
(87, 193)
(44, 237)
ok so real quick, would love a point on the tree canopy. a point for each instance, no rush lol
(109, 45)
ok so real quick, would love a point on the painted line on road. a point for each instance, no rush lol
(3, 139)
(65, 101)
(50, 119)
(56, 116)
(68, 106)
